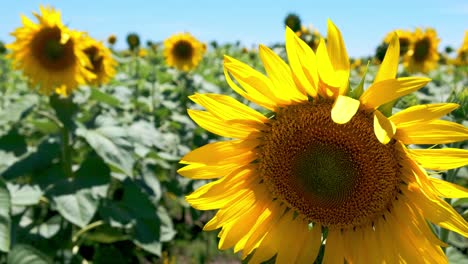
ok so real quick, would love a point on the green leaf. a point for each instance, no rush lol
(143, 219)
(34, 161)
(49, 228)
(77, 199)
(357, 92)
(111, 144)
(105, 98)
(5, 221)
(17, 110)
(13, 142)
(26, 254)
(23, 195)
(455, 256)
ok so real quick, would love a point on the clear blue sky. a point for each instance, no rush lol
(363, 24)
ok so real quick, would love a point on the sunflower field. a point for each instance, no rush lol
(181, 151)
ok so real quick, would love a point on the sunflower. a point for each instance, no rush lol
(462, 52)
(422, 55)
(322, 166)
(405, 37)
(112, 39)
(102, 63)
(183, 51)
(50, 54)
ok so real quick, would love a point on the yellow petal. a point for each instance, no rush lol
(272, 241)
(263, 227)
(294, 237)
(227, 108)
(235, 230)
(220, 152)
(344, 108)
(311, 246)
(384, 129)
(422, 113)
(330, 86)
(385, 91)
(255, 86)
(338, 56)
(220, 127)
(302, 61)
(280, 75)
(436, 210)
(388, 68)
(203, 171)
(334, 248)
(447, 189)
(434, 132)
(440, 159)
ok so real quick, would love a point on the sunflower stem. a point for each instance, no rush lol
(66, 152)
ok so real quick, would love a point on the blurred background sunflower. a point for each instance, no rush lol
(183, 51)
(422, 55)
(102, 63)
(50, 54)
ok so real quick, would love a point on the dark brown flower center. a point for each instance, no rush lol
(50, 52)
(183, 50)
(340, 176)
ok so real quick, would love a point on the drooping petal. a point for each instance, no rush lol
(344, 108)
(388, 68)
(440, 159)
(385, 91)
(448, 189)
(433, 132)
(422, 113)
(280, 75)
(436, 210)
(384, 129)
(303, 63)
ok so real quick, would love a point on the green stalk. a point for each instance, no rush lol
(66, 152)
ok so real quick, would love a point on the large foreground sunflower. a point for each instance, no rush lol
(183, 51)
(422, 55)
(49, 53)
(322, 167)
(102, 63)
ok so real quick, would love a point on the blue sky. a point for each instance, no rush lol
(363, 24)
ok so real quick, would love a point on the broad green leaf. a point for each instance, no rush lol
(143, 219)
(34, 161)
(23, 195)
(26, 254)
(77, 199)
(5, 221)
(103, 97)
(14, 142)
(111, 144)
(13, 112)
(49, 228)
(65, 109)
